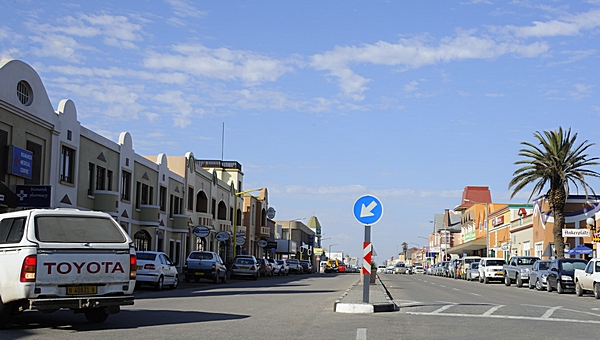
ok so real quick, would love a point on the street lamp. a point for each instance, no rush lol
(235, 222)
(329, 253)
(485, 225)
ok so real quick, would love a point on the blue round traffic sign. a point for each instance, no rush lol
(368, 210)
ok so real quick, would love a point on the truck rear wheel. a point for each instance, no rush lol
(96, 315)
(597, 290)
(578, 289)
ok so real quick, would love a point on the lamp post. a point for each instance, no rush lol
(591, 222)
(329, 253)
(485, 225)
(235, 222)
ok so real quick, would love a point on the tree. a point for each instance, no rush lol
(404, 249)
(553, 164)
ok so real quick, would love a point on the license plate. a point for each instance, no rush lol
(78, 290)
(244, 267)
(499, 273)
(139, 267)
(199, 273)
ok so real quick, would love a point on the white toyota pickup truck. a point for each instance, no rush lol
(588, 279)
(64, 258)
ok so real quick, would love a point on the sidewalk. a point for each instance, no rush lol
(352, 300)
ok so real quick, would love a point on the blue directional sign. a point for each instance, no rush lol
(368, 210)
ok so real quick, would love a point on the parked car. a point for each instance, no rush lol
(205, 265)
(245, 266)
(418, 269)
(264, 267)
(389, 269)
(464, 265)
(538, 274)
(588, 279)
(307, 266)
(276, 266)
(491, 268)
(342, 268)
(156, 269)
(295, 266)
(517, 269)
(473, 271)
(381, 269)
(560, 274)
(400, 268)
(284, 269)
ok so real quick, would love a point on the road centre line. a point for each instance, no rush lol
(361, 334)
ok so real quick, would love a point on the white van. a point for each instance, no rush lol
(64, 258)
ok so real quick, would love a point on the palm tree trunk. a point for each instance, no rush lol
(557, 198)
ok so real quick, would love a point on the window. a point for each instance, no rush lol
(143, 194)
(3, 154)
(190, 199)
(73, 229)
(126, 185)
(539, 249)
(101, 179)
(11, 230)
(162, 199)
(91, 176)
(67, 165)
(176, 205)
(24, 93)
(36, 166)
(109, 180)
(526, 249)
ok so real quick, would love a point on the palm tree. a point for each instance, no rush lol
(553, 164)
(404, 249)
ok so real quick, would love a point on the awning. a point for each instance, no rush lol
(476, 244)
(580, 249)
(7, 197)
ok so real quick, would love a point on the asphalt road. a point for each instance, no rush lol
(301, 307)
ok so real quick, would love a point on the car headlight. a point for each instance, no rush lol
(566, 278)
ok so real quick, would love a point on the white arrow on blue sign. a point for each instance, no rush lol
(368, 210)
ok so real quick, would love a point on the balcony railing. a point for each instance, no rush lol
(149, 214)
(180, 221)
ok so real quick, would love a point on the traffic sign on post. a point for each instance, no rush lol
(368, 210)
(366, 267)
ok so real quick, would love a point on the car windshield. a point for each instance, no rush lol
(244, 262)
(527, 261)
(474, 265)
(76, 229)
(145, 256)
(200, 256)
(570, 266)
(495, 262)
(543, 265)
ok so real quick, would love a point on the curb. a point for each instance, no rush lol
(365, 308)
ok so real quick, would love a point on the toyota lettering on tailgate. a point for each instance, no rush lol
(84, 267)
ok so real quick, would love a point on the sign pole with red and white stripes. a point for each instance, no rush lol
(367, 211)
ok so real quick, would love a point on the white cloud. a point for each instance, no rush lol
(182, 8)
(179, 106)
(566, 26)
(220, 63)
(411, 87)
(413, 53)
(58, 46)
(580, 91)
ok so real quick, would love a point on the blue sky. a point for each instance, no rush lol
(324, 101)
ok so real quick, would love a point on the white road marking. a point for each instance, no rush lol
(442, 309)
(549, 312)
(493, 309)
(361, 334)
(475, 294)
(505, 317)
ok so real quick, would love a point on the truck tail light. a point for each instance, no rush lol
(28, 269)
(132, 267)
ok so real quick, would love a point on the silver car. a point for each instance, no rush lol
(156, 269)
(538, 274)
(245, 265)
(473, 271)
